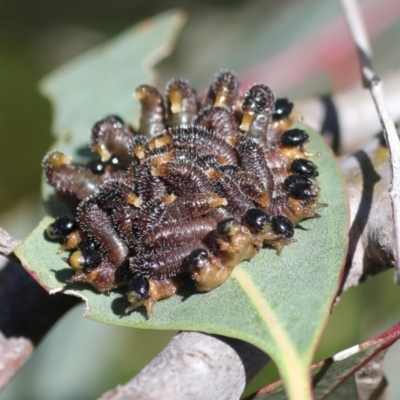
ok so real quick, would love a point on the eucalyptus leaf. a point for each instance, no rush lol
(277, 302)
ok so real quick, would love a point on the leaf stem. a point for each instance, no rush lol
(293, 368)
(296, 380)
(374, 84)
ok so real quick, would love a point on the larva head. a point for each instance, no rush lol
(294, 137)
(61, 227)
(138, 291)
(301, 187)
(84, 259)
(257, 220)
(282, 226)
(91, 254)
(292, 180)
(198, 258)
(283, 108)
(304, 167)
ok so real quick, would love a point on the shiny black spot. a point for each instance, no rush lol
(114, 161)
(294, 180)
(294, 137)
(91, 254)
(124, 271)
(140, 287)
(87, 245)
(283, 108)
(61, 227)
(303, 192)
(282, 226)
(97, 167)
(256, 219)
(304, 167)
(300, 187)
(198, 258)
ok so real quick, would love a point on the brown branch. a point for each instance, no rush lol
(371, 236)
(15, 352)
(7, 243)
(370, 380)
(195, 366)
(374, 84)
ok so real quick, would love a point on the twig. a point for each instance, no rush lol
(7, 243)
(14, 354)
(370, 380)
(198, 366)
(371, 235)
(374, 84)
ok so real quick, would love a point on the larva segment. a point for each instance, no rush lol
(194, 206)
(220, 120)
(176, 234)
(152, 116)
(223, 90)
(181, 103)
(70, 179)
(257, 107)
(206, 141)
(97, 224)
(110, 136)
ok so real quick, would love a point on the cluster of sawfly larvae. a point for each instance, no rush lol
(200, 186)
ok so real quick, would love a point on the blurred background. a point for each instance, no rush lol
(299, 48)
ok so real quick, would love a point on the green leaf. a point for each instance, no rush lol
(334, 377)
(278, 303)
